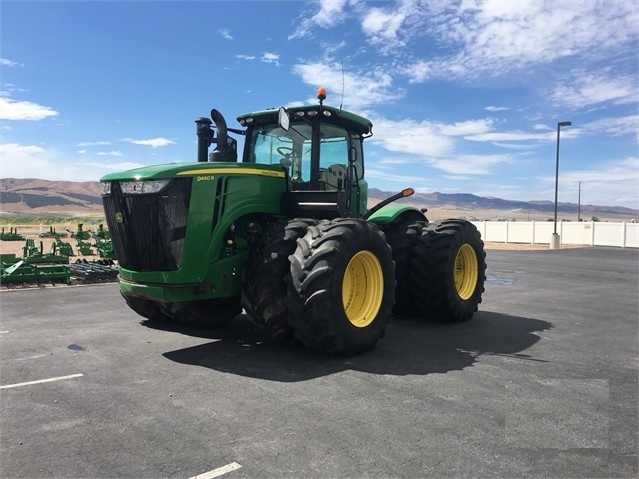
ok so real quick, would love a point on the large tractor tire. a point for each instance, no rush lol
(263, 282)
(342, 286)
(448, 271)
(403, 237)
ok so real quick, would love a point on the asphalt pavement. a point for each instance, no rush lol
(542, 382)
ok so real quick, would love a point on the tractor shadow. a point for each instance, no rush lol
(410, 347)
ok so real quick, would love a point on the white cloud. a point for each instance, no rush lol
(382, 25)
(513, 136)
(330, 13)
(362, 89)
(614, 182)
(225, 33)
(9, 63)
(24, 110)
(104, 168)
(109, 153)
(31, 161)
(92, 143)
(585, 89)
(470, 164)
(496, 108)
(423, 139)
(270, 58)
(511, 146)
(614, 170)
(417, 72)
(382, 174)
(499, 36)
(468, 127)
(154, 142)
(245, 57)
(615, 126)
(468, 38)
(27, 161)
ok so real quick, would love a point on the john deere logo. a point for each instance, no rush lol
(119, 218)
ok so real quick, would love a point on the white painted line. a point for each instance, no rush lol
(3, 332)
(31, 357)
(40, 381)
(220, 471)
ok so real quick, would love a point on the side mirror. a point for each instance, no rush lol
(283, 119)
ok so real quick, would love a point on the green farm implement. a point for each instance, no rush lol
(20, 271)
(38, 267)
(11, 235)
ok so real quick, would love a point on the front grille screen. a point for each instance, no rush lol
(148, 229)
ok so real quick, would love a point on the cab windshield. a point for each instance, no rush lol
(272, 145)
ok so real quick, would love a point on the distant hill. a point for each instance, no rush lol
(479, 203)
(43, 197)
(33, 196)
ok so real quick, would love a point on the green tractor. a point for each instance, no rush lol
(285, 235)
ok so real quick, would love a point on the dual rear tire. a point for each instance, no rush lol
(443, 271)
(333, 284)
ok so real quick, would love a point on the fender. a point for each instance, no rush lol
(391, 213)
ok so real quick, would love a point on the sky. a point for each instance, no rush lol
(465, 95)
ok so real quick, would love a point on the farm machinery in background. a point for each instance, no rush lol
(285, 235)
(37, 267)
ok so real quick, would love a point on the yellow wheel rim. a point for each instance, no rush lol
(466, 271)
(362, 289)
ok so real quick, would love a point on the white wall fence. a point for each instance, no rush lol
(594, 233)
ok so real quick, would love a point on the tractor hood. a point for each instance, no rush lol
(176, 170)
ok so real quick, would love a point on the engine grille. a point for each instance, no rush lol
(148, 230)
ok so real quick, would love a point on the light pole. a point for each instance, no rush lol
(579, 203)
(555, 240)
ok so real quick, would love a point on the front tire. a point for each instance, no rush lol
(263, 282)
(342, 286)
(448, 271)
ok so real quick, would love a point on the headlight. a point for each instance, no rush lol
(142, 187)
(105, 188)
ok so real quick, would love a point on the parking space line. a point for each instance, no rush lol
(220, 471)
(28, 383)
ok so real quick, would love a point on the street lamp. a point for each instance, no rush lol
(555, 241)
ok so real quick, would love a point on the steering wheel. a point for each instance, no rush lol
(284, 150)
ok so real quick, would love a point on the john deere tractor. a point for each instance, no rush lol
(284, 233)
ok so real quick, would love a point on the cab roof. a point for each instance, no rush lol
(330, 114)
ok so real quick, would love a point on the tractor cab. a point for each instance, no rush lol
(320, 150)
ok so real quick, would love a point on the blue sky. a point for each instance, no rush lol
(464, 95)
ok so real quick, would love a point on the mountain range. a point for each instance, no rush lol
(44, 197)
